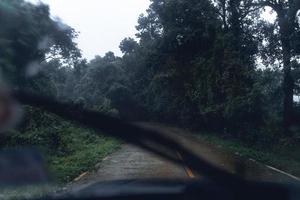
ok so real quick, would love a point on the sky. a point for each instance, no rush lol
(102, 24)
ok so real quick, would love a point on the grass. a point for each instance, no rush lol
(78, 151)
(68, 149)
(65, 168)
(282, 157)
(75, 150)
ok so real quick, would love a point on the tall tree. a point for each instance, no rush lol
(288, 23)
(28, 38)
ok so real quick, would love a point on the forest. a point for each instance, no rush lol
(207, 65)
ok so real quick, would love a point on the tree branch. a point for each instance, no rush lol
(267, 3)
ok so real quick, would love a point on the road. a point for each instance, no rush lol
(131, 162)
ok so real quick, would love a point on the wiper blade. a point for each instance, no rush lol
(150, 140)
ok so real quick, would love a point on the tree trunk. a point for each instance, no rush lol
(288, 88)
(224, 14)
(288, 82)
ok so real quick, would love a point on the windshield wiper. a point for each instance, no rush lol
(150, 140)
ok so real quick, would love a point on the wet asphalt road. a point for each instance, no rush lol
(131, 162)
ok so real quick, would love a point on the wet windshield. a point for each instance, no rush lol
(220, 79)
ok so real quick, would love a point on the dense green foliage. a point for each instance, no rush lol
(196, 64)
(200, 65)
(64, 145)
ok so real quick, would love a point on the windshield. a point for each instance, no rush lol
(110, 90)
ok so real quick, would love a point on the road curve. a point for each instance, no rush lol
(131, 162)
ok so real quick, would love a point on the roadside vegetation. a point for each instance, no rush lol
(29, 35)
(282, 156)
(68, 149)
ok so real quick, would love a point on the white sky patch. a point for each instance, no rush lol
(269, 15)
(102, 24)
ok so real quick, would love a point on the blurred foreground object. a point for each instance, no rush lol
(9, 110)
(21, 167)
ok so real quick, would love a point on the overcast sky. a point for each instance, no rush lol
(102, 24)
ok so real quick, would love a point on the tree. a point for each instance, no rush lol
(149, 26)
(109, 57)
(288, 24)
(128, 45)
(29, 37)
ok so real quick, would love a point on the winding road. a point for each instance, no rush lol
(131, 162)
